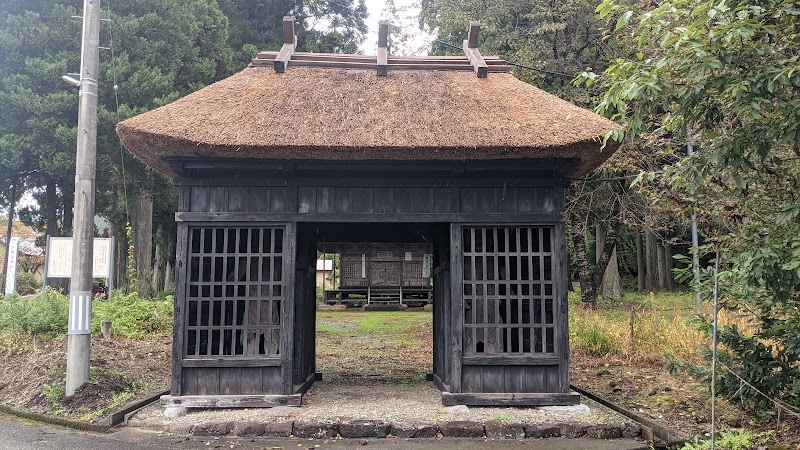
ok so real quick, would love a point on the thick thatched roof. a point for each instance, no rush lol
(313, 113)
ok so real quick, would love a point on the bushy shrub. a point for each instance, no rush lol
(133, 316)
(46, 312)
(27, 283)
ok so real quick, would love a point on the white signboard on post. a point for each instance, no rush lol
(59, 258)
(11, 274)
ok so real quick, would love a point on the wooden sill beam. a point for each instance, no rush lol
(289, 44)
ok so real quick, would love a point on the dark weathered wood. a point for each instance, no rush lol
(383, 43)
(188, 382)
(492, 379)
(509, 360)
(252, 381)
(510, 399)
(514, 379)
(207, 381)
(535, 379)
(306, 385)
(457, 307)
(245, 218)
(556, 168)
(271, 380)
(472, 35)
(289, 44)
(218, 199)
(478, 64)
(179, 316)
(471, 50)
(287, 322)
(441, 385)
(480, 67)
(231, 362)
(230, 380)
(561, 280)
(288, 30)
(231, 401)
(501, 201)
(471, 379)
(370, 58)
(282, 60)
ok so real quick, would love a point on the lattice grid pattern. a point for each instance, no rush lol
(509, 299)
(235, 291)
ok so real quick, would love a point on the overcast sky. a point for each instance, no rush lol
(418, 42)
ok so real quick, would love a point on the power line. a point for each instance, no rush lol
(522, 66)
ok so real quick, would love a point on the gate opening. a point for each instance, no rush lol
(377, 266)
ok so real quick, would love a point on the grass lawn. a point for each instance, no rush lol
(394, 345)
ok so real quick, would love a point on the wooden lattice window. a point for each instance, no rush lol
(235, 291)
(509, 300)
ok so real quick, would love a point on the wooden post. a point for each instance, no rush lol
(471, 50)
(289, 44)
(80, 291)
(181, 292)
(456, 319)
(383, 51)
(472, 36)
(288, 305)
(288, 30)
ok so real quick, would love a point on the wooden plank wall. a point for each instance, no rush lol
(231, 380)
(451, 201)
(510, 379)
(376, 200)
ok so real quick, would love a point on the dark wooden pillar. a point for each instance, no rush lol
(287, 315)
(181, 272)
(561, 278)
(454, 353)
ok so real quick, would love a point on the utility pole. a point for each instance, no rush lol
(80, 292)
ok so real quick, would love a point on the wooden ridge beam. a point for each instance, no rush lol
(471, 50)
(465, 66)
(383, 48)
(303, 56)
(272, 53)
(289, 43)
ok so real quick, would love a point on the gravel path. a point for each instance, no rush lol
(345, 400)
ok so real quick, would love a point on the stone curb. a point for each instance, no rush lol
(360, 429)
(104, 425)
(647, 428)
(53, 420)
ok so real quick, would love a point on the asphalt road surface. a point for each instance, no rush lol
(17, 434)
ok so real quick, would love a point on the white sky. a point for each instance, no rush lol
(419, 41)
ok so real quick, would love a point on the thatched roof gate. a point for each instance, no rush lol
(301, 148)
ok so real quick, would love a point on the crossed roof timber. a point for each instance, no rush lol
(472, 60)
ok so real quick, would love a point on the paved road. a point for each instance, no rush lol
(16, 434)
